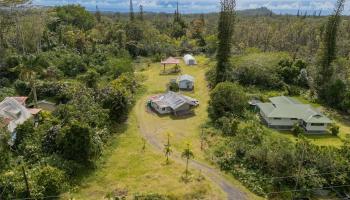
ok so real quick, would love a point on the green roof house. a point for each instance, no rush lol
(283, 112)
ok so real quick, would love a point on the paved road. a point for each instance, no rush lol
(233, 193)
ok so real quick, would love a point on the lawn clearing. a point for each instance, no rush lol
(182, 130)
(127, 167)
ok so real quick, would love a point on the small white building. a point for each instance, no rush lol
(172, 102)
(185, 82)
(189, 60)
(284, 112)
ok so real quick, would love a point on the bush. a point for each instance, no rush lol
(259, 69)
(72, 65)
(297, 130)
(334, 129)
(227, 125)
(22, 88)
(49, 180)
(4, 82)
(293, 90)
(173, 86)
(76, 15)
(227, 100)
(77, 143)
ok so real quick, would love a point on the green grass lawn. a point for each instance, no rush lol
(185, 130)
(127, 167)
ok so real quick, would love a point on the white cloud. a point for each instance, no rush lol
(199, 5)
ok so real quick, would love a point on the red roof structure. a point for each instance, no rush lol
(171, 60)
(34, 111)
(21, 100)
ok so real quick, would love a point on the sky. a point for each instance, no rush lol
(201, 6)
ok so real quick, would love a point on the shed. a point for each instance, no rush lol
(186, 82)
(189, 60)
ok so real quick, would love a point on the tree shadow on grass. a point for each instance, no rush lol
(87, 170)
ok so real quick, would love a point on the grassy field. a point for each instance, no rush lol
(182, 130)
(127, 167)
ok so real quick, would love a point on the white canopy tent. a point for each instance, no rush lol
(189, 60)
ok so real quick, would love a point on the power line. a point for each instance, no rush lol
(294, 176)
(300, 190)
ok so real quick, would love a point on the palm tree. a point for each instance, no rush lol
(187, 154)
(28, 73)
(167, 149)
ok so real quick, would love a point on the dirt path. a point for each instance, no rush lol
(214, 174)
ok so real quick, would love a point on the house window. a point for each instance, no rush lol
(277, 118)
(317, 124)
(163, 109)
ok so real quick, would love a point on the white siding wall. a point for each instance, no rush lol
(282, 122)
(184, 84)
(160, 110)
(278, 122)
(316, 128)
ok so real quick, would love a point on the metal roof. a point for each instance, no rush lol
(171, 60)
(284, 100)
(186, 77)
(14, 112)
(173, 100)
(287, 107)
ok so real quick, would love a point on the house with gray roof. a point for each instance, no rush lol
(283, 112)
(13, 113)
(172, 102)
(185, 82)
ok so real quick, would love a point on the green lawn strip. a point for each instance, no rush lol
(127, 167)
(183, 131)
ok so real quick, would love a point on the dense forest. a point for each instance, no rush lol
(84, 63)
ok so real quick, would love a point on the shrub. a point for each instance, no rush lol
(297, 129)
(76, 15)
(228, 126)
(50, 180)
(173, 86)
(77, 143)
(226, 100)
(334, 129)
(72, 65)
(22, 88)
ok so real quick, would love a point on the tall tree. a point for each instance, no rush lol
(98, 14)
(179, 25)
(225, 32)
(131, 14)
(329, 50)
(141, 13)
